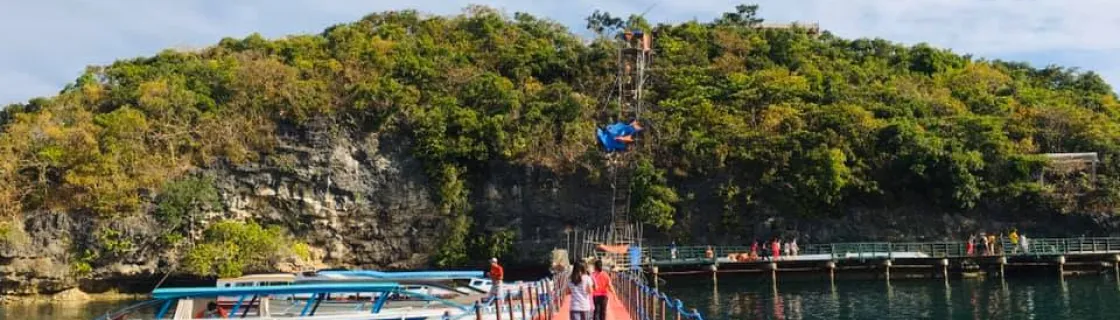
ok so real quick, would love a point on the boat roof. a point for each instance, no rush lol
(262, 277)
(411, 275)
(196, 292)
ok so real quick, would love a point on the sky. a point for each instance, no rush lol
(48, 43)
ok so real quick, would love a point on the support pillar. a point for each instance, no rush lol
(1116, 266)
(1002, 265)
(715, 270)
(945, 269)
(773, 272)
(656, 272)
(1062, 266)
(831, 266)
(887, 269)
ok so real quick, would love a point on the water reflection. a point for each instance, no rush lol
(1043, 298)
(59, 311)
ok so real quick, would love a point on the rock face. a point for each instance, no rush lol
(361, 200)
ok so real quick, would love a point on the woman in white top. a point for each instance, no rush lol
(580, 286)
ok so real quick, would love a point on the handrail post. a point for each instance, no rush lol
(477, 310)
(521, 296)
(498, 305)
(533, 303)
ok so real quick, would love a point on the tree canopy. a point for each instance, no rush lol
(788, 120)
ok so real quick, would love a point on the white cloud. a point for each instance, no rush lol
(47, 43)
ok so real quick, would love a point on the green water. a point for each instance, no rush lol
(1083, 298)
(59, 311)
(1087, 298)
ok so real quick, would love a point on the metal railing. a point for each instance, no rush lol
(538, 300)
(647, 303)
(891, 250)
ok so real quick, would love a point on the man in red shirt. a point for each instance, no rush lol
(602, 287)
(496, 274)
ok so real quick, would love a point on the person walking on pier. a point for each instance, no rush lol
(496, 275)
(1024, 244)
(987, 240)
(1014, 237)
(754, 250)
(970, 247)
(998, 243)
(580, 288)
(602, 289)
(673, 251)
(793, 248)
(775, 249)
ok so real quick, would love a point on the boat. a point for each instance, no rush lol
(442, 284)
(256, 302)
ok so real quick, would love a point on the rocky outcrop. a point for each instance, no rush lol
(361, 200)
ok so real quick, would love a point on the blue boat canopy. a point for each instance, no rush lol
(181, 293)
(414, 275)
(617, 136)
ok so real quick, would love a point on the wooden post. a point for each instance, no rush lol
(521, 290)
(831, 265)
(477, 310)
(498, 306)
(509, 302)
(664, 308)
(533, 300)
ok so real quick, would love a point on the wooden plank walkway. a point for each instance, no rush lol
(615, 309)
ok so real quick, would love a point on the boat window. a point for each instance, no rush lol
(245, 284)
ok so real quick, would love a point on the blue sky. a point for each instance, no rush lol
(47, 43)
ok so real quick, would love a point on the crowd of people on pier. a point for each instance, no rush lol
(990, 244)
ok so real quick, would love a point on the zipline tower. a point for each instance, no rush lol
(633, 57)
(621, 139)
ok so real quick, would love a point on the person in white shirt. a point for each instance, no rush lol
(580, 286)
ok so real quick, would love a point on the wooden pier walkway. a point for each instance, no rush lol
(1063, 255)
(615, 309)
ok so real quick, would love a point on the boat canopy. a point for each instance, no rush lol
(414, 275)
(183, 293)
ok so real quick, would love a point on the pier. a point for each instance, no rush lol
(1058, 256)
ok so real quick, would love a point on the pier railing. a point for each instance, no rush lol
(890, 250)
(649, 303)
(537, 300)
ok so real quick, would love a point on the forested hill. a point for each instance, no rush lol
(746, 123)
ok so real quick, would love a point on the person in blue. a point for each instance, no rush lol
(617, 136)
(673, 251)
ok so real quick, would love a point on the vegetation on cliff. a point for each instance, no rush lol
(786, 120)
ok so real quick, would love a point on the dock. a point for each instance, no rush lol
(1058, 256)
(632, 299)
